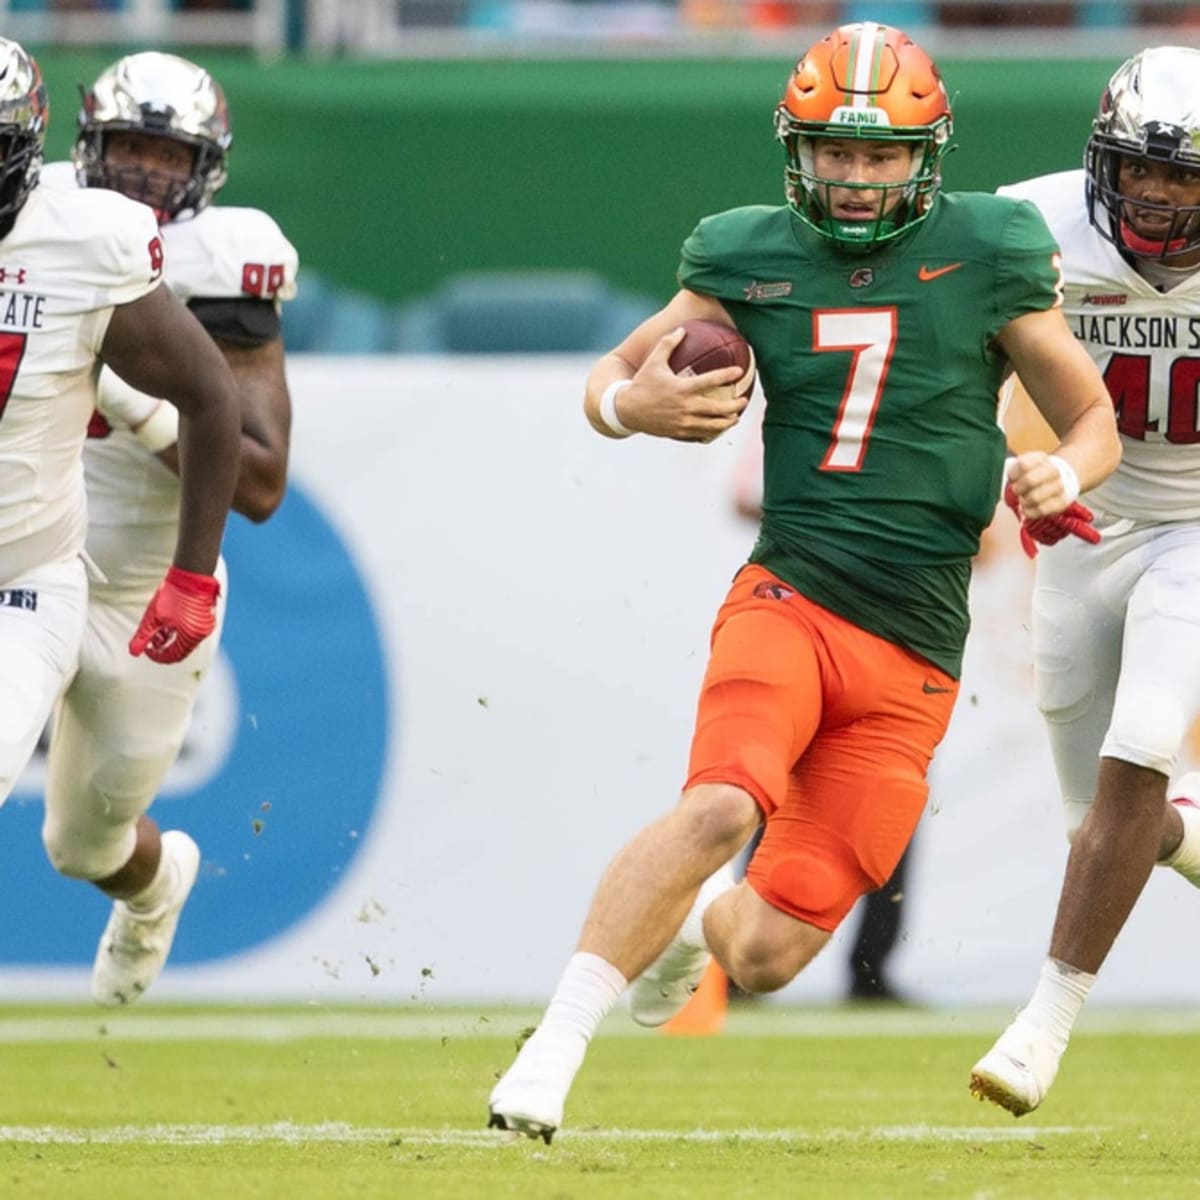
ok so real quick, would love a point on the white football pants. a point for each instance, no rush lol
(41, 628)
(1116, 639)
(117, 730)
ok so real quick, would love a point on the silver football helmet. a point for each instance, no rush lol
(1149, 110)
(164, 96)
(23, 116)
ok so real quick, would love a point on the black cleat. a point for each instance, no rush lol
(526, 1125)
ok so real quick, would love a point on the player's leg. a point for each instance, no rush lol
(1130, 825)
(41, 627)
(760, 705)
(119, 728)
(645, 895)
(641, 898)
(855, 798)
(864, 727)
(1079, 607)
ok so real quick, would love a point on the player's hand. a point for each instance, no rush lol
(181, 614)
(1074, 521)
(688, 408)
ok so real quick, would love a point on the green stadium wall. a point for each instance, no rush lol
(391, 176)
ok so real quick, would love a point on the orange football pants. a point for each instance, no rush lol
(831, 729)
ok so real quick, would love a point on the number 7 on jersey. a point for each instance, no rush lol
(870, 335)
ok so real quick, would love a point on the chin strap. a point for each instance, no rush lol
(1141, 245)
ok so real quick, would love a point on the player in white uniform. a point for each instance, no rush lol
(1117, 625)
(80, 285)
(156, 128)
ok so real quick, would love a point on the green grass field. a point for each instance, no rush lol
(309, 1103)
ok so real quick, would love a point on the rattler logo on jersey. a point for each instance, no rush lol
(1139, 333)
(861, 278)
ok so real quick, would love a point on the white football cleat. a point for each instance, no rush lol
(134, 946)
(1016, 1073)
(530, 1096)
(671, 980)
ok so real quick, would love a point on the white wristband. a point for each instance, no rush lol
(160, 429)
(121, 403)
(608, 409)
(1070, 480)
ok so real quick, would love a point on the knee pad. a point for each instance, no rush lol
(810, 888)
(1066, 677)
(1147, 728)
(90, 832)
(88, 850)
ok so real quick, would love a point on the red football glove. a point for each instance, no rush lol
(181, 614)
(1074, 521)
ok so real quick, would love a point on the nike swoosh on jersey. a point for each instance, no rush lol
(931, 689)
(925, 274)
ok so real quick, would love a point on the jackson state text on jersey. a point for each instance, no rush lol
(1146, 344)
(69, 259)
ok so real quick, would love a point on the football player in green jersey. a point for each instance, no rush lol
(883, 316)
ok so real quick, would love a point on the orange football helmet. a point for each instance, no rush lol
(872, 82)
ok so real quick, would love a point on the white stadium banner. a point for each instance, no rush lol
(495, 688)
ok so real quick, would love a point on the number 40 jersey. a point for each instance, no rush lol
(1146, 344)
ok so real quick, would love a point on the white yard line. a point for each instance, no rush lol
(287, 1133)
(149, 1024)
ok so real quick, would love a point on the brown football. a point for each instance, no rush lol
(708, 346)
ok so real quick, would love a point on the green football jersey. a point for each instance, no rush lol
(882, 451)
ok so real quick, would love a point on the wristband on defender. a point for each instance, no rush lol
(1070, 480)
(608, 409)
(120, 403)
(160, 429)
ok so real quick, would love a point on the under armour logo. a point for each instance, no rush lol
(17, 276)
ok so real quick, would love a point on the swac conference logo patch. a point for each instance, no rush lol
(767, 291)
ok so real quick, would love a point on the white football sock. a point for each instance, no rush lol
(1057, 1000)
(717, 884)
(1185, 858)
(585, 995)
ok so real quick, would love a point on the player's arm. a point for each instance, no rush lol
(1068, 390)
(698, 408)
(266, 427)
(160, 348)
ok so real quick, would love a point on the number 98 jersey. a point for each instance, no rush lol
(224, 253)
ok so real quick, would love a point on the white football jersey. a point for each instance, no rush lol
(1147, 345)
(69, 259)
(133, 500)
